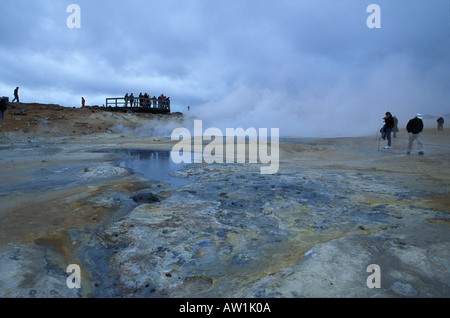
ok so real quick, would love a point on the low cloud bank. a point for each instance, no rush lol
(349, 103)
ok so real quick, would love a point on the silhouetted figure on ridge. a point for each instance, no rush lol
(16, 95)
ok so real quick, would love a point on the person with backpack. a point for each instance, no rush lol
(388, 126)
(415, 128)
(3, 108)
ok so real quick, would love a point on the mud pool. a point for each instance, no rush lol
(140, 226)
(152, 164)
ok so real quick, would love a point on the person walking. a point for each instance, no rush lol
(415, 128)
(83, 102)
(388, 126)
(16, 95)
(440, 123)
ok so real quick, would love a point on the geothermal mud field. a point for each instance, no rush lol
(140, 226)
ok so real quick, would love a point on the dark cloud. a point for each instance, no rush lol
(263, 62)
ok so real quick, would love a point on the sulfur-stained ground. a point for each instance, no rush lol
(335, 207)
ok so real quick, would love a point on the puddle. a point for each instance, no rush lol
(152, 164)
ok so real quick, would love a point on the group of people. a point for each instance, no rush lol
(144, 100)
(414, 128)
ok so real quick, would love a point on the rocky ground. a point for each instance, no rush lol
(336, 206)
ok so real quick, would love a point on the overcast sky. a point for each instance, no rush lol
(308, 67)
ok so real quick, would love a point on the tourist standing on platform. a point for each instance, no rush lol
(131, 100)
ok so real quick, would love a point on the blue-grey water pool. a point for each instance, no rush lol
(152, 164)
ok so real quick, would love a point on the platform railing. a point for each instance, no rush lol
(140, 102)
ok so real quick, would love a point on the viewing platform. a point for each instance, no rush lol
(139, 105)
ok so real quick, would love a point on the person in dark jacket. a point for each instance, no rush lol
(131, 100)
(415, 128)
(16, 95)
(3, 108)
(388, 126)
(126, 98)
(440, 123)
